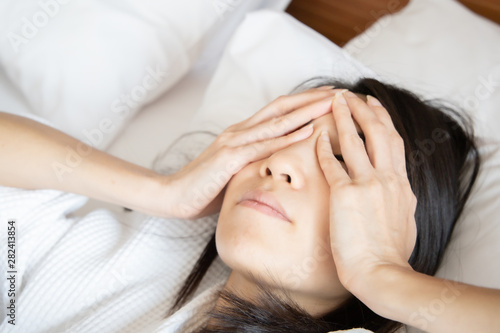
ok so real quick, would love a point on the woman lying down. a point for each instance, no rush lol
(328, 175)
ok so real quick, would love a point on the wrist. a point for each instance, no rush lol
(153, 195)
(379, 286)
(372, 274)
(136, 188)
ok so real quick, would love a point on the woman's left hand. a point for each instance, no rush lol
(372, 205)
(373, 230)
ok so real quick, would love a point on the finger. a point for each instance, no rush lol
(233, 159)
(334, 172)
(376, 133)
(380, 111)
(397, 143)
(285, 104)
(283, 125)
(262, 149)
(351, 145)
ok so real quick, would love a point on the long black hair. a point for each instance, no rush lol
(442, 163)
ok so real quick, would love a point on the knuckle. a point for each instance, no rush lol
(222, 152)
(225, 137)
(280, 103)
(352, 138)
(233, 127)
(280, 99)
(278, 122)
(283, 121)
(376, 127)
(397, 139)
(266, 133)
(385, 116)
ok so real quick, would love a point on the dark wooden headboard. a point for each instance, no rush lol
(341, 20)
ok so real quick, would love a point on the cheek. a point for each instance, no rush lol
(316, 268)
(313, 270)
(297, 256)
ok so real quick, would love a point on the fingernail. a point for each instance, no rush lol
(373, 101)
(339, 97)
(325, 136)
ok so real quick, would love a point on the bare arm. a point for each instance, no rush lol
(429, 303)
(35, 156)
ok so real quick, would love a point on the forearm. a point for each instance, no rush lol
(432, 304)
(35, 156)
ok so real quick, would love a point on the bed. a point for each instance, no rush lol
(132, 92)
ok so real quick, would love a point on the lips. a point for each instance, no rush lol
(264, 202)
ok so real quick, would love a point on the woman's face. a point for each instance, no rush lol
(291, 251)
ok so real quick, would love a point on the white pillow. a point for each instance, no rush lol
(442, 49)
(88, 65)
(271, 53)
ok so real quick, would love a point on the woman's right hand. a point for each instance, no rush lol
(198, 188)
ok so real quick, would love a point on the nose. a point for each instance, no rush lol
(286, 166)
